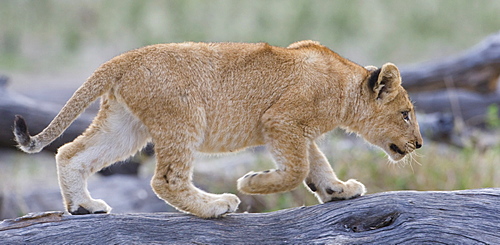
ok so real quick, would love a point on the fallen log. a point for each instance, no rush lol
(471, 108)
(477, 69)
(403, 217)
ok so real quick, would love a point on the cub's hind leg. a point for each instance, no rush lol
(114, 135)
(172, 180)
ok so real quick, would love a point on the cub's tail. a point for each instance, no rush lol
(99, 83)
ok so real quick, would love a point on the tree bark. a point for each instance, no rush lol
(403, 217)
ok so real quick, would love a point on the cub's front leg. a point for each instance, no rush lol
(323, 182)
(289, 149)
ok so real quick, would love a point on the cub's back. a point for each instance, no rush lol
(217, 76)
(231, 84)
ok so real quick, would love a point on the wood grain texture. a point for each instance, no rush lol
(403, 217)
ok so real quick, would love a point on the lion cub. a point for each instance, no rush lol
(224, 97)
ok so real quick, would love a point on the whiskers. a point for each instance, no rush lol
(408, 160)
(412, 158)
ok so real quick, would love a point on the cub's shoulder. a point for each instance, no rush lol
(305, 44)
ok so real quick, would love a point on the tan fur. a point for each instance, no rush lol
(224, 97)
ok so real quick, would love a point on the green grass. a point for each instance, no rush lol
(48, 33)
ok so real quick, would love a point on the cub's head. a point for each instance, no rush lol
(386, 115)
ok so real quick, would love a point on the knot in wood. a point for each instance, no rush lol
(369, 221)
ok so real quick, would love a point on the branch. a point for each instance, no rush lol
(471, 107)
(477, 69)
(404, 217)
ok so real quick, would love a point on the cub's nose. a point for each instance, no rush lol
(418, 145)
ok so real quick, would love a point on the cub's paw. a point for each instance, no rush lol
(337, 190)
(218, 206)
(244, 184)
(260, 182)
(96, 206)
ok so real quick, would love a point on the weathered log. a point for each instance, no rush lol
(477, 69)
(404, 217)
(470, 107)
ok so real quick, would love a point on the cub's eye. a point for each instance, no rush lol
(406, 115)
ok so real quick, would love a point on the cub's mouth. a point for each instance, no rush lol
(396, 149)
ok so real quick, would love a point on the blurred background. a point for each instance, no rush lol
(49, 47)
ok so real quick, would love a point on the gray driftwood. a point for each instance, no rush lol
(404, 217)
(477, 69)
(468, 106)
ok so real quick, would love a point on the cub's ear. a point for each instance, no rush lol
(384, 82)
(371, 68)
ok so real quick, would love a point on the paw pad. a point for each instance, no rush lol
(80, 211)
(250, 175)
(253, 174)
(330, 191)
(312, 187)
(342, 199)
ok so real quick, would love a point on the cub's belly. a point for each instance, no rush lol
(231, 138)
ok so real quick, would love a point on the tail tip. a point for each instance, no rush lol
(22, 135)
